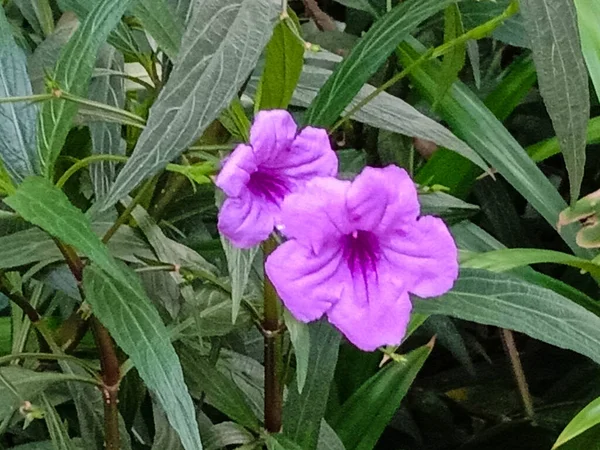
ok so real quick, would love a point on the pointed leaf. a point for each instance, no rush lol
(385, 111)
(300, 339)
(106, 137)
(562, 77)
(18, 120)
(509, 302)
(367, 56)
(219, 50)
(477, 125)
(304, 411)
(39, 15)
(283, 65)
(72, 74)
(363, 417)
(161, 22)
(138, 329)
(58, 432)
(587, 418)
(588, 12)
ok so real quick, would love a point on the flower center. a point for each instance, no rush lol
(361, 251)
(268, 186)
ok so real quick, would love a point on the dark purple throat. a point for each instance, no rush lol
(268, 186)
(361, 251)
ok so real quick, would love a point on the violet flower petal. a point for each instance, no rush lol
(237, 170)
(425, 257)
(380, 200)
(308, 284)
(246, 221)
(272, 133)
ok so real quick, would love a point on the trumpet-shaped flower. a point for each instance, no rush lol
(257, 177)
(356, 250)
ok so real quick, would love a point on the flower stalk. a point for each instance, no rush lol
(271, 327)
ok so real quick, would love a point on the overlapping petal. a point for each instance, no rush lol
(424, 255)
(382, 321)
(236, 171)
(308, 283)
(271, 135)
(380, 200)
(316, 214)
(247, 220)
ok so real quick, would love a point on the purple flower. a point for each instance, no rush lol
(356, 250)
(257, 177)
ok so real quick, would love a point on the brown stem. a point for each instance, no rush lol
(322, 20)
(19, 300)
(109, 363)
(515, 361)
(273, 393)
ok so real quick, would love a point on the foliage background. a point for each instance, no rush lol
(114, 117)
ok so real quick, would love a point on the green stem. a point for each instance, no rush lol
(271, 327)
(86, 162)
(125, 214)
(128, 117)
(27, 98)
(475, 33)
(47, 356)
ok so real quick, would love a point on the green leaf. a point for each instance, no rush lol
(385, 111)
(303, 411)
(221, 391)
(225, 434)
(283, 64)
(454, 60)
(220, 48)
(587, 418)
(367, 56)
(550, 147)
(72, 74)
(58, 432)
(511, 258)
(281, 442)
(38, 201)
(106, 137)
(512, 31)
(328, 439)
(161, 22)
(18, 124)
(562, 77)
(364, 416)
(587, 13)
(39, 15)
(239, 266)
(300, 339)
(165, 437)
(182, 9)
(361, 5)
(446, 206)
(478, 126)
(122, 306)
(509, 302)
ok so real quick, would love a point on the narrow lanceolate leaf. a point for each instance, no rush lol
(72, 74)
(300, 339)
(39, 15)
(472, 121)
(118, 300)
(138, 329)
(509, 302)
(385, 111)
(587, 418)
(182, 9)
(562, 77)
(18, 120)
(283, 65)
(160, 21)
(219, 50)
(367, 56)
(588, 12)
(106, 137)
(56, 428)
(38, 201)
(454, 60)
(303, 412)
(364, 416)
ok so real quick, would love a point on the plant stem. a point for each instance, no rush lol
(125, 214)
(109, 361)
(271, 326)
(20, 301)
(110, 384)
(515, 361)
(86, 162)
